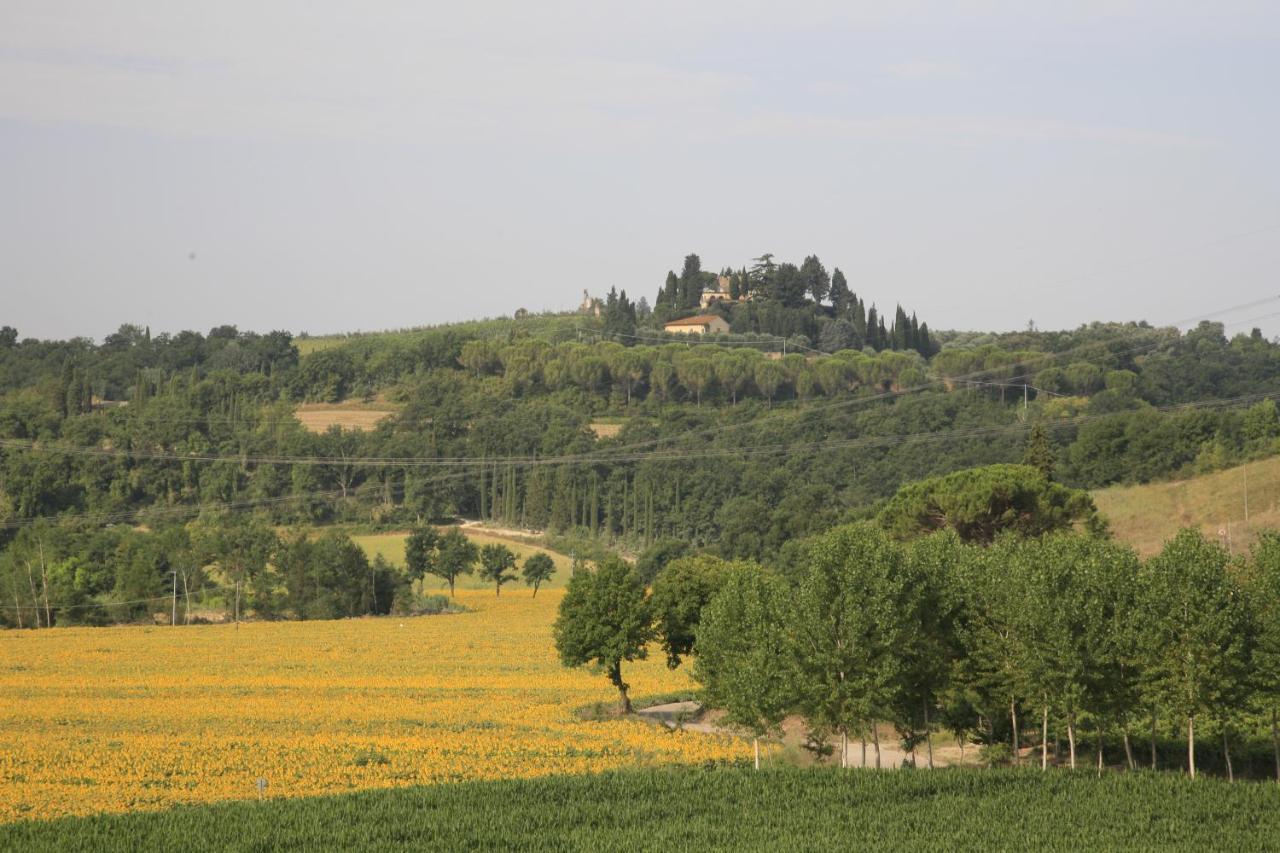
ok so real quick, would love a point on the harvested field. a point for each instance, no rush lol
(319, 417)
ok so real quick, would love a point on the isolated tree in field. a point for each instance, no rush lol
(420, 552)
(1264, 594)
(851, 622)
(497, 565)
(1194, 632)
(744, 658)
(538, 569)
(604, 620)
(680, 592)
(455, 556)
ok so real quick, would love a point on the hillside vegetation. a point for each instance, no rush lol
(1146, 516)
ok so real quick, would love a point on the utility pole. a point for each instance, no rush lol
(1246, 493)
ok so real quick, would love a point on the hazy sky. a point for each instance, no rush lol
(327, 166)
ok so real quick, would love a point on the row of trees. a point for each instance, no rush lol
(677, 373)
(451, 555)
(1027, 639)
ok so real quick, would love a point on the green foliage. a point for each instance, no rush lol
(604, 619)
(852, 617)
(680, 592)
(982, 502)
(331, 578)
(420, 552)
(744, 653)
(1194, 631)
(455, 556)
(497, 565)
(538, 569)
(657, 556)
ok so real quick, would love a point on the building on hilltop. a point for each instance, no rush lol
(721, 291)
(702, 324)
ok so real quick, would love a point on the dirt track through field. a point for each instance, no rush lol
(689, 717)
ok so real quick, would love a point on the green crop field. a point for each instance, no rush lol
(720, 809)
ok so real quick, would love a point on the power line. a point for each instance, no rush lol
(598, 456)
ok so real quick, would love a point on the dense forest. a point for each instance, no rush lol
(722, 443)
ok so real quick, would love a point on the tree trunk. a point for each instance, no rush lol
(1226, 754)
(864, 749)
(1044, 739)
(875, 737)
(928, 735)
(17, 608)
(756, 743)
(1099, 752)
(1154, 763)
(1013, 718)
(1191, 746)
(844, 749)
(452, 594)
(1071, 738)
(44, 581)
(1275, 741)
(1128, 751)
(35, 599)
(535, 590)
(615, 676)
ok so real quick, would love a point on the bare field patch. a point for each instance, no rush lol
(603, 429)
(319, 417)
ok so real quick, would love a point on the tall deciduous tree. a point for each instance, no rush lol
(851, 623)
(604, 619)
(1264, 594)
(745, 659)
(1194, 641)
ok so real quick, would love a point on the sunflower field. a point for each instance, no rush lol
(143, 718)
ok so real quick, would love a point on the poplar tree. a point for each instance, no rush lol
(851, 622)
(1264, 593)
(745, 659)
(1193, 642)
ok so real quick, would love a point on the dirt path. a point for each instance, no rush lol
(689, 716)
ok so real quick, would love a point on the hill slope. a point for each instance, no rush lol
(1145, 516)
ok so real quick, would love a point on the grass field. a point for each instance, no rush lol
(1146, 516)
(391, 547)
(318, 417)
(133, 718)
(723, 809)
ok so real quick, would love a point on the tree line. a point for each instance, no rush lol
(57, 575)
(1016, 644)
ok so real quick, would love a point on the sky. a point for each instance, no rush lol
(334, 166)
